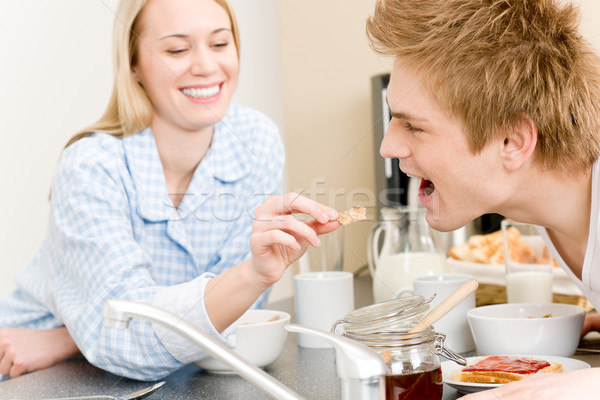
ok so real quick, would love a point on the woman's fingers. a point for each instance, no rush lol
(321, 229)
(17, 369)
(277, 214)
(289, 224)
(266, 240)
(294, 203)
(5, 364)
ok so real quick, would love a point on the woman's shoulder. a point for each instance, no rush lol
(246, 118)
(93, 167)
(252, 128)
(96, 149)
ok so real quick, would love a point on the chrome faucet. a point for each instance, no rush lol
(359, 368)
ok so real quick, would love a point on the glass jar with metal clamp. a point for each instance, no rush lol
(414, 369)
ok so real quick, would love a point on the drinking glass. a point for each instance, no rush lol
(528, 264)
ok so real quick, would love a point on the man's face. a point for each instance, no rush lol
(457, 186)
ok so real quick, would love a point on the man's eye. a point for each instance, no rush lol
(408, 126)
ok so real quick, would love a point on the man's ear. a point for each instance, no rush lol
(519, 143)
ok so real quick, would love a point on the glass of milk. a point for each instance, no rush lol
(528, 262)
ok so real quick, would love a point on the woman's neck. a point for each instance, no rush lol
(180, 153)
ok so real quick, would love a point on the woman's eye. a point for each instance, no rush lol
(176, 51)
(221, 44)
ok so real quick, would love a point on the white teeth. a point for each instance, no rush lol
(201, 92)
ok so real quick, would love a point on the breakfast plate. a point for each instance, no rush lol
(449, 367)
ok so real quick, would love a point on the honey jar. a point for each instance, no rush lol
(412, 359)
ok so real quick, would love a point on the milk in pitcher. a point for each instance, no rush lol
(395, 271)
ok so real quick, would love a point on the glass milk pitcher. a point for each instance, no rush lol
(401, 248)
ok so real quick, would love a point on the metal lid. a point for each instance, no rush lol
(389, 316)
(386, 325)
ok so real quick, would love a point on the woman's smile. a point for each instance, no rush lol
(203, 94)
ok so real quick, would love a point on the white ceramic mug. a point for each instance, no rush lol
(321, 299)
(454, 324)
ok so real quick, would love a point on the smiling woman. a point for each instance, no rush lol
(71, 89)
(138, 199)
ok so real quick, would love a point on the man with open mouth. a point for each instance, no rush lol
(495, 105)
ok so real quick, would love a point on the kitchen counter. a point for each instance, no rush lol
(309, 372)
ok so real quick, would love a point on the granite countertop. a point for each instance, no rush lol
(309, 372)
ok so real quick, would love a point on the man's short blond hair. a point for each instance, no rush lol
(490, 62)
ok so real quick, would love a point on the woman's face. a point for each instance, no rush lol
(187, 63)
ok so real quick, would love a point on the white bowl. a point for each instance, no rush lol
(521, 329)
(259, 340)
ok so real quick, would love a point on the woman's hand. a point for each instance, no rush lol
(26, 350)
(279, 238)
(580, 384)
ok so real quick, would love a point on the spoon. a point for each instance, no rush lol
(140, 394)
(446, 305)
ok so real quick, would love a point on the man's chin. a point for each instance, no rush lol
(441, 224)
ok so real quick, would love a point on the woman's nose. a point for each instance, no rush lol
(203, 62)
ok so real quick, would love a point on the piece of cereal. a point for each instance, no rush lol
(352, 215)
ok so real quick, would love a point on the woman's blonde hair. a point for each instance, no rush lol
(129, 109)
(490, 62)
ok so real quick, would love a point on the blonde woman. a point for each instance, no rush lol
(166, 200)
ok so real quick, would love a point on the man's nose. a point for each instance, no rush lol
(393, 145)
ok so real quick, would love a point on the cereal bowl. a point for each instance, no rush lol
(526, 328)
(260, 339)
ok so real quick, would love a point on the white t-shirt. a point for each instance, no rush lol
(590, 273)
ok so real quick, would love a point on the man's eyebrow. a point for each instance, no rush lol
(404, 115)
(183, 35)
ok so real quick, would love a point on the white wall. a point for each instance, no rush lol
(56, 78)
(260, 84)
(260, 58)
(590, 12)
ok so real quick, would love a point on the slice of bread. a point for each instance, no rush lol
(503, 369)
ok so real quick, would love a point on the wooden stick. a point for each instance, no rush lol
(446, 305)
